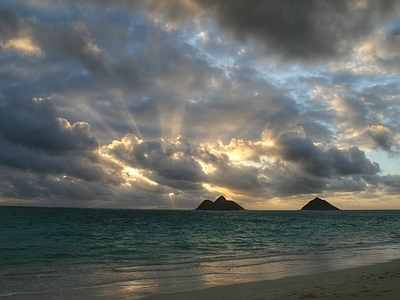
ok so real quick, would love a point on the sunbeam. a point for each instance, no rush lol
(121, 101)
(171, 118)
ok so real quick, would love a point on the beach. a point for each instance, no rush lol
(378, 281)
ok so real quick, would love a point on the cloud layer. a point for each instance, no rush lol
(141, 104)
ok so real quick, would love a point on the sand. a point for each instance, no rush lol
(379, 281)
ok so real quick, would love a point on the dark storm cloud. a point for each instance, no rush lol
(10, 24)
(80, 165)
(50, 190)
(179, 183)
(150, 155)
(33, 123)
(236, 178)
(392, 183)
(381, 137)
(300, 29)
(317, 130)
(286, 182)
(72, 39)
(33, 138)
(310, 29)
(319, 162)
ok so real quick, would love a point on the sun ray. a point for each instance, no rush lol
(171, 199)
(103, 124)
(171, 118)
(99, 124)
(120, 100)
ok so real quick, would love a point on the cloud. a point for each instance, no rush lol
(75, 40)
(87, 166)
(164, 162)
(323, 162)
(223, 172)
(33, 138)
(381, 136)
(298, 30)
(15, 34)
(306, 29)
(28, 37)
(143, 104)
(22, 45)
(285, 180)
(362, 115)
(33, 123)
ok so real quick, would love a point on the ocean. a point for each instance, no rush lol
(59, 249)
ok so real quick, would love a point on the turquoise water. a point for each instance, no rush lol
(53, 249)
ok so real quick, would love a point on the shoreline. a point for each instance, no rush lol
(367, 282)
(376, 281)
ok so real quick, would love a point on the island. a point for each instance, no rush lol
(319, 204)
(220, 204)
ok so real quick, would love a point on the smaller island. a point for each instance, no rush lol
(319, 204)
(220, 204)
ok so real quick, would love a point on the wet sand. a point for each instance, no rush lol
(379, 281)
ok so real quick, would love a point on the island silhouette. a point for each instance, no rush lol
(319, 204)
(220, 204)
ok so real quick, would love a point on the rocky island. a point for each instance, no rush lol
(220, 204)
(319, 204)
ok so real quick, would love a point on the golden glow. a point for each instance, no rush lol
(177, 155)
(133, 175)
(23, 46)
(207, 168)
(130, 174)
(242, 151)
(219, 190)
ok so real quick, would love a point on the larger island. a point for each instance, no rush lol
(220, 204)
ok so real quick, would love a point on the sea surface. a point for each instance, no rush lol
(59, 249)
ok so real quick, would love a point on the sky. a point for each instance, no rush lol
(162, 104)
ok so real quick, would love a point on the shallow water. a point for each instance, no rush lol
(53, 249)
